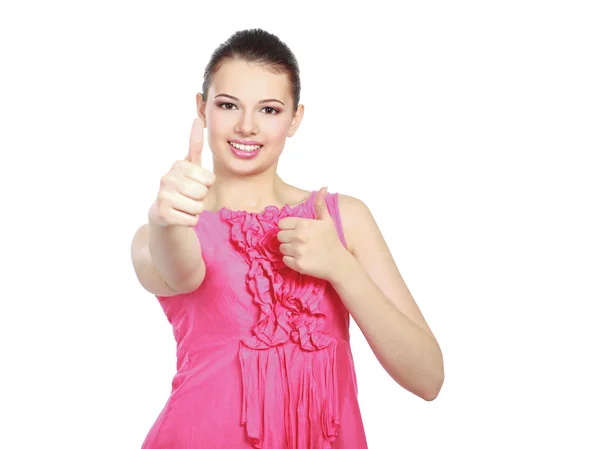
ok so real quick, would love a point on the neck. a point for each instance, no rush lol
(252, 192)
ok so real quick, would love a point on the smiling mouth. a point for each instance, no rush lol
(245, 148)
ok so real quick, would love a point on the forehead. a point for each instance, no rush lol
(250, 81)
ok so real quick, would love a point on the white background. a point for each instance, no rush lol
(470, 129)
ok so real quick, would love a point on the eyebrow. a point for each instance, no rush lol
(260, 102)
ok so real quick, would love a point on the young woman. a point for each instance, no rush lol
(258, 277)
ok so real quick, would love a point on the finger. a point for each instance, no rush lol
(180, 218)
(194, 190)
(185, 204)
(321, 209)
(201, 175)
(290, 262)
(196, 142)
(285, 236)
(286, 249)
(289, 222)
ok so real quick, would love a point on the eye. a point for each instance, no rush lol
(273, 110)
(226, 104)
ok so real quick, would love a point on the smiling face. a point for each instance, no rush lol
(249, 113)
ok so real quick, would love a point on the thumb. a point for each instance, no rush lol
(196, 142)
(321, 206)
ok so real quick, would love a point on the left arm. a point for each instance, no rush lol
(372, 289)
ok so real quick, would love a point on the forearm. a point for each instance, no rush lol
(176, 254)
(410, 354)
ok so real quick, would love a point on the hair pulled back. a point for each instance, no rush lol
(260, 47)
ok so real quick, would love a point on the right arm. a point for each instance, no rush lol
(166, 252)
(167, 260)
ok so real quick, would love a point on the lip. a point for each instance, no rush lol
(245, 142)
(244, 154)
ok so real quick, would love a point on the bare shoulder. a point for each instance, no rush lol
(366, 243)
(356, 219)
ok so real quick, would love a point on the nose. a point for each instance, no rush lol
(247, 124)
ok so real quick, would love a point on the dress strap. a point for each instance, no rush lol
(331, 199)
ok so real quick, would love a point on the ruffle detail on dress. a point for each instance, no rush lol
(289, 355)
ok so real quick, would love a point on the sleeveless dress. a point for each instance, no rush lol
(263, 352)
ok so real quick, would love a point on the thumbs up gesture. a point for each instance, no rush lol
(311, 246)
(180, 198)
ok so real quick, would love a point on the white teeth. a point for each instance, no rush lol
(248, 148)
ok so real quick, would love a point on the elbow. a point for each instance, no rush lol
(192, 285)
(433, 389)
(431, 395)
(427, 390)
(434, 385)
(195, 280)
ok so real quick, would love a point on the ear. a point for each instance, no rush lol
(296, 120)
(201, 107)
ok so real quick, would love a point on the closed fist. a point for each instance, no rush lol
(180, 198)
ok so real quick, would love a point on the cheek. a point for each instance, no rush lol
(275, 129)
(218, 131)
(218, 124)
(213, 128)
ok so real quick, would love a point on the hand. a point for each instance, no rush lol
(180, 199)
(310, 246)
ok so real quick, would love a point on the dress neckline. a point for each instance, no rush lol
(269, 208)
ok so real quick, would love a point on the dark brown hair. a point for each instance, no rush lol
(256, 46)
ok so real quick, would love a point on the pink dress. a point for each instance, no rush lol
(263, 352)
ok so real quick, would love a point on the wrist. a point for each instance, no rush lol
(344, 269)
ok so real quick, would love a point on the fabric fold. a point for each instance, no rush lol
(300, 386)
(288, 364)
